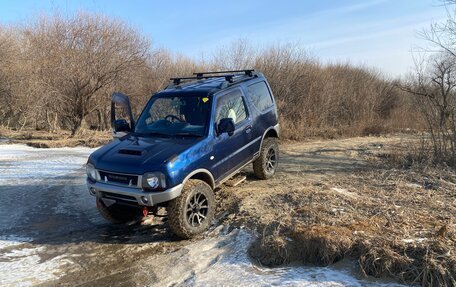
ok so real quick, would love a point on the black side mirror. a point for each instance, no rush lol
(121, 125)
(226, 125)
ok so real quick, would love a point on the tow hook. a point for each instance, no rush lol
(145, 211)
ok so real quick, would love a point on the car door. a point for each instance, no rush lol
(231, 152)
(263, 110)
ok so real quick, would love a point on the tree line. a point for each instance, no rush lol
(58, 73)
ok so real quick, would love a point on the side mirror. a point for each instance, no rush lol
(120, 126)
(226, 125)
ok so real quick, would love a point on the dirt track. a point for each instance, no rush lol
(53, 220)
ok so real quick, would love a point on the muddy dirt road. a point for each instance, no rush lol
(51, 233)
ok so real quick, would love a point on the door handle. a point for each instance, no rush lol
(248, 129)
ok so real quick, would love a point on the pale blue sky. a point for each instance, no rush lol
(378, 33)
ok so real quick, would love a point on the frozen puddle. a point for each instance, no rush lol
(21, 164)
(26, 173)
(21, 265)
(222, 260)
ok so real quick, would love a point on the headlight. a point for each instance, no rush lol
(154, 181)
(91, 172)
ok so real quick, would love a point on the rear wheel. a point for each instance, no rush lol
(116, 213)
(192, 212)
(265, 166)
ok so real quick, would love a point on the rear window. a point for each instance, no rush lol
(261, 98)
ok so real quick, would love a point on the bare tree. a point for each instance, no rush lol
(434, 86)
(9, 77)
(73, 60)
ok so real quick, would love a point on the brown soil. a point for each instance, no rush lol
(332, 199)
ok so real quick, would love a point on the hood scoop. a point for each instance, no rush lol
(131, 152)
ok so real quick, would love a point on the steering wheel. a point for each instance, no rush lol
(174, 117)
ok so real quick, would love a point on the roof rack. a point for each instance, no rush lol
(218, 74)
(248, 72)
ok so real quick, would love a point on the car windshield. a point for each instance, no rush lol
(175, 116)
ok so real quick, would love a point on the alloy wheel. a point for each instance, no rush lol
(271, 160)
(197, 209)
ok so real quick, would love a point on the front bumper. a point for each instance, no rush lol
(132, 195)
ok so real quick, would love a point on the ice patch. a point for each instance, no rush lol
(23, 267)
(21, 164)
(22, 167)
(223, 261)
(12, 240)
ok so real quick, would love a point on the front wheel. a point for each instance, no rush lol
(265, 166)
(192, 212)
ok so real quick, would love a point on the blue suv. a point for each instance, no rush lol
(189, 139)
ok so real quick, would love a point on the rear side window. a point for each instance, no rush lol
(261, 98)
(232, 106)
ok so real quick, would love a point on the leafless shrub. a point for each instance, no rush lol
(433, 85)
(320, 100)
(434, 88)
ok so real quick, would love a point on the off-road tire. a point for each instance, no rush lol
(119, 214)
(260, 165)
(178, 208)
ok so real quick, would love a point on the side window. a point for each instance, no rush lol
(232, 106)
(261, 98)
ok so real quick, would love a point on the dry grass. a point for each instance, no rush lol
(43, 139)
(395, 222)
(428, 264)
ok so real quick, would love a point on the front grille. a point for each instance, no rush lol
(119, 178)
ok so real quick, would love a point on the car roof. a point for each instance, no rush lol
(207, 87)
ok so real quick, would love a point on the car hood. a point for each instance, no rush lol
(138, 155)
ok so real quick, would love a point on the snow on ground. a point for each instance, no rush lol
(223, 260)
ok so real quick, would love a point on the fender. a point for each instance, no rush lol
(201, 170)
(276, 128)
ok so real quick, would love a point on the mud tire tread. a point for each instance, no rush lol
(259, 163)
(176, 209)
